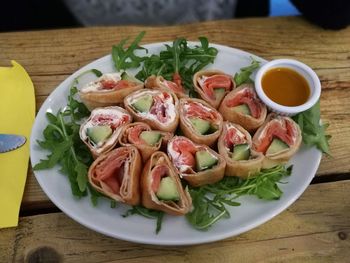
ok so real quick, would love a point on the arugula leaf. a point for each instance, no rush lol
(313, 133)
(153, 65)
(148, 213)
(94, 195)
(209, 200)
(244, 75)
(113, 204)
(179, 62)
(81, 169)
(61, 138)
(125, 58)
(206, 211)
(96, 72)
(52, 159)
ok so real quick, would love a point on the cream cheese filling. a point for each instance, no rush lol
(169, 103)
(96, 86)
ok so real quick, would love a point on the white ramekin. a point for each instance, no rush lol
(302, 69)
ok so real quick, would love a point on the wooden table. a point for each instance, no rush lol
(315, 228)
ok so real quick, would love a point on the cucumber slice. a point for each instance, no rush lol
(243, 108)
(99, 133)
(125, 76)
(143, 104)
(167, 190)
(219, 93)
(212, 129)
(204, 160)
(150, 137)
(241, 152)
(201, 126)
(276, 146)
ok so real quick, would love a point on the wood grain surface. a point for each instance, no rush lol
(308, 231)
(314, 229)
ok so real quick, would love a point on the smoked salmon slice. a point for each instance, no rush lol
(208, 84)
(111, 170)
(131, 135)
(158, 82)
(159, 108)
(233, 136)
(282, 130)
(248, 97)
(113, 118)
(196, 109)
(285, 130)
(199, 121)
(183, 153)
(213, 85)
(116, 174)
(134, 134)
(247, 164)
(109, 89)
(114, 85)
(156, 168)
(242, 106)
(185, 150)
(158, 173)
(162, 112)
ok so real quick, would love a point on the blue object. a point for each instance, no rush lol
(9, 142)
(282, 8)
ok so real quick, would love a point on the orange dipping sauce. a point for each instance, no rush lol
(285, 87)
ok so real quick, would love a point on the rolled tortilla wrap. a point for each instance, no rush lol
(101, 130)
(108, 90)
(134, 134)
(241, 164)
(213, 85)
(199, 121)
(156, 107)
(187, 158)
(117, 175)
(156, 82)
(177, 200)
(281, 132)
(242, 106)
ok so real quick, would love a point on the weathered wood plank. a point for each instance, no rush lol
(335, 110)
(64, 51)
(313, 229)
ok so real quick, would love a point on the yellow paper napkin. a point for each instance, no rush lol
(17, 113)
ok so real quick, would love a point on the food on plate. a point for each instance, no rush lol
(279, 138)
(161, 187)
(101, 130)
(235, 145)
(109, 89)
(212, 85)
(154, 82)
(117, 175)
(146, 140)
(117, 172)
(242, 106)
(195, 163)
(156, 107)
(199, 121)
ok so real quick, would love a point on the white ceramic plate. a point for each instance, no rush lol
(175, 230)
